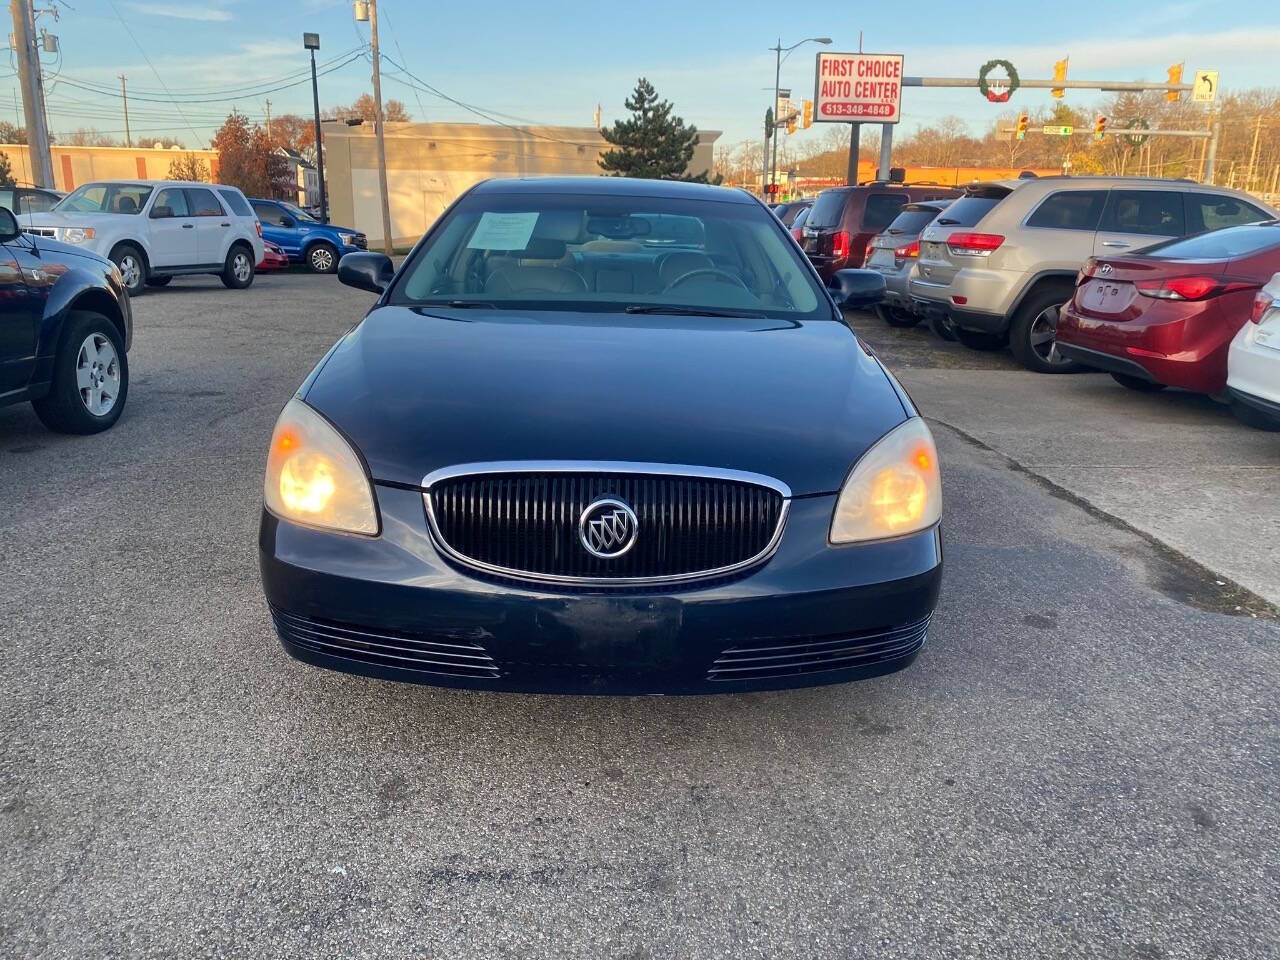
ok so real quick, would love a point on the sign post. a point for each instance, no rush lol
(856, 88)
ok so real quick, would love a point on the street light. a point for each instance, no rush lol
(311, 42)
(779, 50)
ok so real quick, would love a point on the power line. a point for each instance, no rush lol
(159, 78)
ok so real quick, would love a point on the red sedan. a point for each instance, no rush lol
(1165, 316)
(273, 257)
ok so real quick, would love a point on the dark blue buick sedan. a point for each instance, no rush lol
(602, 436)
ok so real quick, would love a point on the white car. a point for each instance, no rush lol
(1253, 362)
(154, 230)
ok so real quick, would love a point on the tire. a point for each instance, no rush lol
(90, 377)
(976, 340)
(1137, 383)
(158, 281)
(237, 272)
(1252, 417)
(322, 258)
(133, 268)
(1033, 332)
(897, 317)
(941, 326)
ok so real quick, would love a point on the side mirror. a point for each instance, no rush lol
(9, 229)
(373, 271)
(857, 289)
(288, 222)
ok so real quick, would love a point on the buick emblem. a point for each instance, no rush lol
(608, 528)
(1105, 269)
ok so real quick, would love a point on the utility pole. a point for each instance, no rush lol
(24, 32)
(268, 119)
(311, 41)
(124, 96)
(1253, 153)
(382, 144)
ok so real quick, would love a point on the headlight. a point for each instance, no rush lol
(314, 477)
(76, 234)
(894, 489)
(348, 239)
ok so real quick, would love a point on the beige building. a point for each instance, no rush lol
(73, 166)
(430, 164)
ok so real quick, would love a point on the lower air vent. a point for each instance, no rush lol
(792, 656)
(407, 651)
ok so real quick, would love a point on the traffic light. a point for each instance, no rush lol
(768, 123)
(1100, 127)
(791, 123)
(1059, 75)
(1175, 76)
(807, 121)
(1021, 132)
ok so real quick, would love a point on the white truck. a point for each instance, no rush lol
(154, 230)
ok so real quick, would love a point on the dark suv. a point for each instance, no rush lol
(65, 328)
(844, 219)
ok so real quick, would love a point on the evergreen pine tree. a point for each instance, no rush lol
(652, 144)
(6, 171)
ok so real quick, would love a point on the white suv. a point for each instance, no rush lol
(154, 230)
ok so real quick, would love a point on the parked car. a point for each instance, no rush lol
(797, 225)
(22, 201)
(1166, 316)
(788, 210)
(65, 331)
(1253, 362)
(605, 479)
(1002, 260)
(273, 257)
(894, 254)
(155, 230)
(304, 238)
(844, 219)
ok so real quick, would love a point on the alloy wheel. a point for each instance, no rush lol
(1043, 335)
(322, 259)
(130, 270)
(241, 267)
(98, 374)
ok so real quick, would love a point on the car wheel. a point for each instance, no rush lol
(322, 258)
(976, 340)
(942, 326)
(158, 281)
(897, 317)
(1033, 335)
(1137, 383)
(90, 377)
(237, 273)
(1253, 417)
(133, 268)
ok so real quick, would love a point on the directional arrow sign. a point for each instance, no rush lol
(1057, 131)
(1205, 88)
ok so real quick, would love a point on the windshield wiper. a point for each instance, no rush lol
(948, 222)
(460, 304)
(692, 312)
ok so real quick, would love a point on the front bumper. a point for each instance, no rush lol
(392, 607)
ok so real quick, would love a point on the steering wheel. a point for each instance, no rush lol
(724, 275)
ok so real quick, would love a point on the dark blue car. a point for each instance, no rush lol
(65, 331)
(603, 436)
(304, 238)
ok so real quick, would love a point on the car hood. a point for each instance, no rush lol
(416, 392)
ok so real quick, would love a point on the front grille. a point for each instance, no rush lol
(442, 655)
(793, 656)
(526, 524)
(361, 241)
(49, 232)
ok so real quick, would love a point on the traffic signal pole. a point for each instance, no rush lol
(29, 78)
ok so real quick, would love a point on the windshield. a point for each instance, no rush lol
(106, 198)
(642, 254)
(828, 208)
(298, 213)
(912, 220)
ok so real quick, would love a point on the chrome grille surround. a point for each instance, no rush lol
(607, 467)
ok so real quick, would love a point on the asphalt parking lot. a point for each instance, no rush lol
(1082, 763)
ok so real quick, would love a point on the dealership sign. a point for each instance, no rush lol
(858, 88)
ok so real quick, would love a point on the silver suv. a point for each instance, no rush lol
(1000, 262)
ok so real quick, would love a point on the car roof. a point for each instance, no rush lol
(160, 183)
(611, 186)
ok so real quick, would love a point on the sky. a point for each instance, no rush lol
(554, 61)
